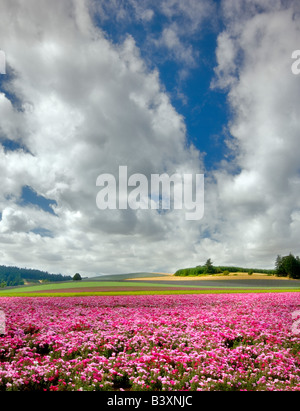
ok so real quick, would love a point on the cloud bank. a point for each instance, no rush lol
(86, 106)
(259, 200)
(76, 105)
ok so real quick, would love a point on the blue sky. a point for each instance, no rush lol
(185, 86)
(205, 111)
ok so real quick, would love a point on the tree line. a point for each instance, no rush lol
(287, 266)
(12, 276)
(209, 268)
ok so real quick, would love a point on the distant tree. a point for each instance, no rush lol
(77, 277)
(209, 268)
(292, 266)
(288, 266)
(279, 268)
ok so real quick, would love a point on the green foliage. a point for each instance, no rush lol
(190, 271)
(3, 284)
(10, 279)
(209, 268)
(13, 276)
(234, 269)
(226, 272)
(203, 270)
(288, 266)
(77, 277)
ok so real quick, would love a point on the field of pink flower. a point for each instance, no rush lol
(182, 342)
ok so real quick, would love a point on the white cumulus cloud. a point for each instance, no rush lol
(87, 107)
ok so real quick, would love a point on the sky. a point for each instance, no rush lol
(170, 86)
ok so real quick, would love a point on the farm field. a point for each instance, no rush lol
(160, 342)
(148, 283)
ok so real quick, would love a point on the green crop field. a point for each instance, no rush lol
(98, 287)
(79, 284)
(87, 284)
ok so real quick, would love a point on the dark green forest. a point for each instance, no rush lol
(288, 266)
(12, 276)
